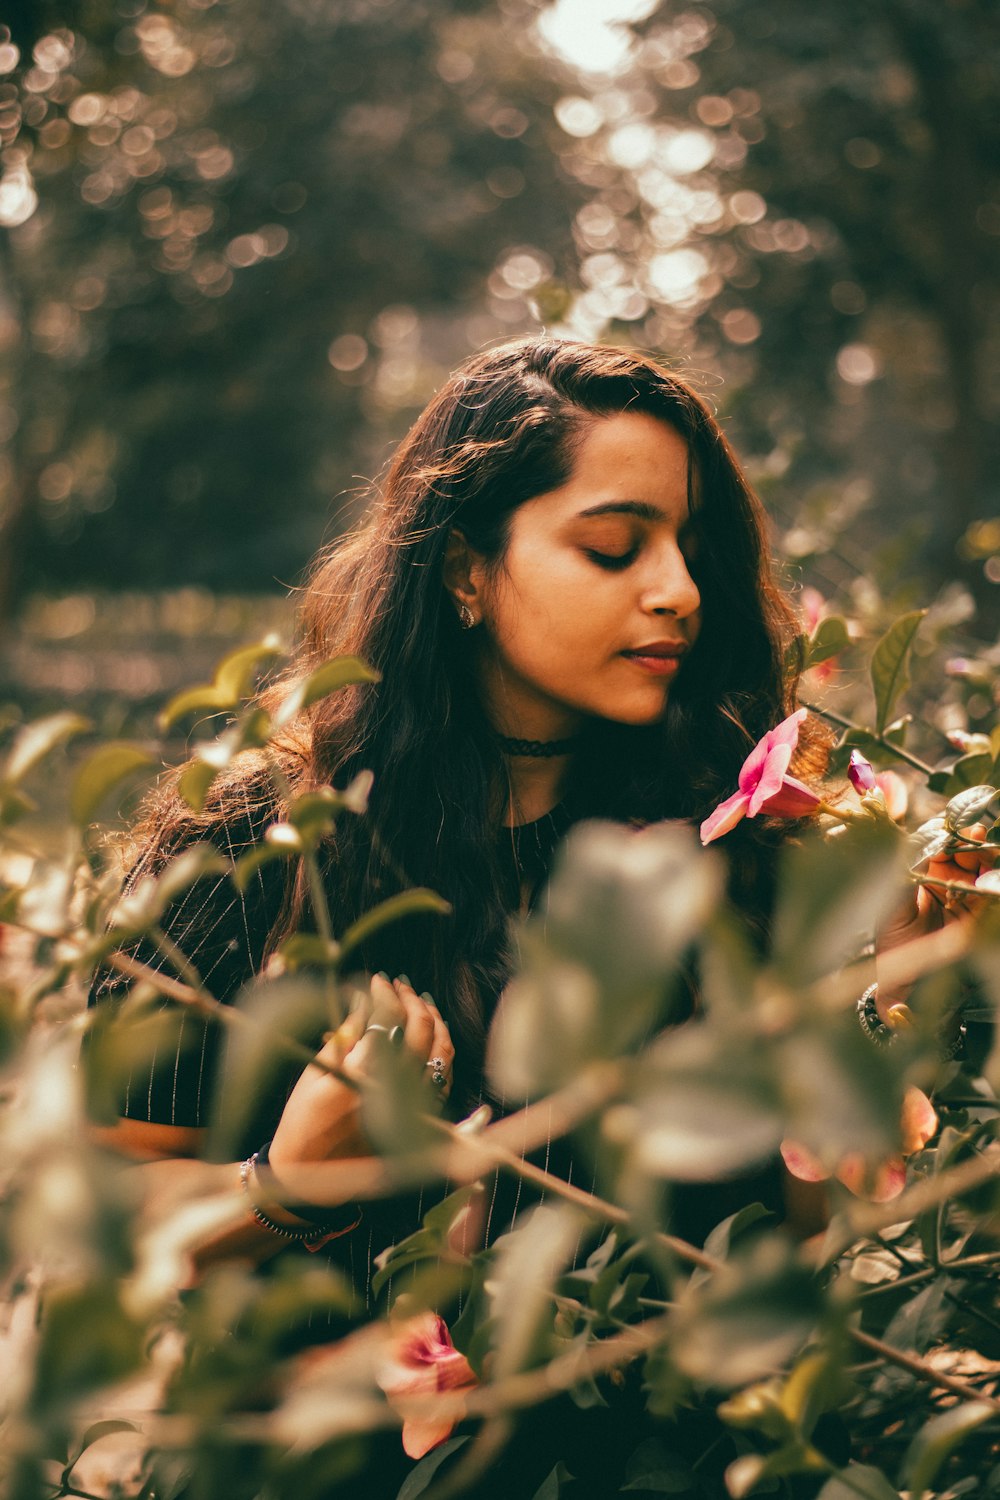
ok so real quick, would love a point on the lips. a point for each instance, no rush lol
(659, 658)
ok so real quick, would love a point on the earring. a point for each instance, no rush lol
(466, 618)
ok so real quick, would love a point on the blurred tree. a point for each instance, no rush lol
(808, 198)
(242, 243)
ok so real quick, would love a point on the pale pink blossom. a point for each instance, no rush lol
(813, 608)
(425, 1379)
(861, 774)
(893, 789)
(764, 783)
(918, 1123)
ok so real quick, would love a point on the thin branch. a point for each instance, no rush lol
(921, 1369)
(897, 750)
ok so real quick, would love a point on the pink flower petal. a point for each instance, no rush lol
(893, 789)
(919, 1121)
(861, 773)
(725, 817)
(771, 776)
(422, 1365)
(801, 1163)
(793, 799)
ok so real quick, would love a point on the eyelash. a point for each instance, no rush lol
(613, 562)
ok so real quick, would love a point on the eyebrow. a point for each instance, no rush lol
(640, 508)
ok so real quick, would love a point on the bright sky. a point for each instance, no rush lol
(589, 33)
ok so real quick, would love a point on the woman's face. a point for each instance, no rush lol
(594, 606)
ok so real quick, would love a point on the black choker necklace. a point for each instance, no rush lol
(539, 749)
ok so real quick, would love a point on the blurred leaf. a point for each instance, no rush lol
(975, 805)
(889, 665)
(734, 1230)
(194, 782)
(35, 741)
(93, 1434)
(44, 904)
(307, 950)
(100, 773)
(526, 1266)
(548, 1028)
(406, 904)
(143, 906)
(706, 1105)
(930, 839)
(265, 853)
(341, 672)
(858, 1482)
(937, 1440)
(753, 1314)
(970, 771)
(842, 1094)
(253, 1066)
(922, 1319)
(233, 679)
(87, 1341)
(833, 893)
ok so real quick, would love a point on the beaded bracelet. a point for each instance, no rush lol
(876, 1030)
(317, 1232)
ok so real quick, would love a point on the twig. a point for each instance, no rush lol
(897, 750)
(921, 1369)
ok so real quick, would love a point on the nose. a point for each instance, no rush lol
(670, 589)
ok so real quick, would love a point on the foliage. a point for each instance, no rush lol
(844, 1360)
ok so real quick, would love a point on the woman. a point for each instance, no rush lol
(565, 587)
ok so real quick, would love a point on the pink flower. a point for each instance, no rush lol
(893, 789)
(764, 783)
(861, 774)
(813, 607)
(918, 1123)
(425, 1379)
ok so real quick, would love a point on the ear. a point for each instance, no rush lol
(464, 574)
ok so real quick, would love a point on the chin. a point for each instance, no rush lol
(637, 715)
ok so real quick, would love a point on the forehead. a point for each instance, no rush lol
(628, 457)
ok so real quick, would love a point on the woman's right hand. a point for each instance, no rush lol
(322, 1120)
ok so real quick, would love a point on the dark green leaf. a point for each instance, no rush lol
(527, 1264)
(653, 1469)
(418, 1479)
(100, 773)
(889, 665)
(830, 637)
(559, 1482)
(970, 771)
(938, 1439)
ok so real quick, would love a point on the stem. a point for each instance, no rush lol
(317, 893)
(178, 958)
(897, 750)
(921, 1369)
(966, 1263)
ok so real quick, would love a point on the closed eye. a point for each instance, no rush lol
(612, 562)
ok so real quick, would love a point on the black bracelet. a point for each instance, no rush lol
(882, 1035)
(336, 1220)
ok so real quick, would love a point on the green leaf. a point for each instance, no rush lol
(559, 1482)
(937, 1440)
(706, 1105)
(87, 1341)
(35, 741)
(889, 665)
(100, 773)
(248, 733)
(406, 904)
(975, 805)
(145, 904)
(756, 1312)
(527, 1264)
(233, 678)
(830, 637)
(970, 771)
(194, 782)
(307, 950)
(331, 677)
(418, 1479)
(265, 853)
(833, 892)
(429, 1242)
(253, 1067)
(858, 1482)
(653, 1469)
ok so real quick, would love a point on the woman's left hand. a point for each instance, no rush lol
(929, 906)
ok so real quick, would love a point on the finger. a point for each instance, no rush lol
(442, 1045)
(419, 1023)
(387, 1008)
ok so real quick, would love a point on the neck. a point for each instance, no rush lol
(533, 786)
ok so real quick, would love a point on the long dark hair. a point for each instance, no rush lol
(502, 430)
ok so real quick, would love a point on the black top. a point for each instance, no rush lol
(223, 933)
